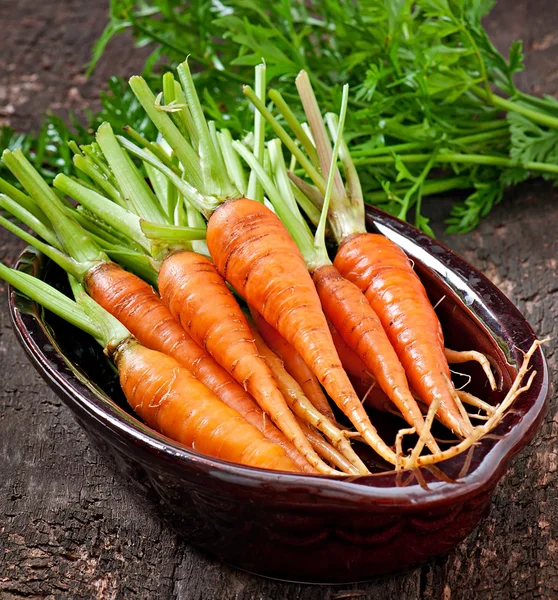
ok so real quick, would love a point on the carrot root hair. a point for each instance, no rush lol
(480, 431)
(454, 357)
(304, 409)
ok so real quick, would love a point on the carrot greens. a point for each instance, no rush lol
(430, 87)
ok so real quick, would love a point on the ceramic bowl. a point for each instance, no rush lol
(300, 527)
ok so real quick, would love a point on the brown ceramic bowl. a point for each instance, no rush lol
(299, 527)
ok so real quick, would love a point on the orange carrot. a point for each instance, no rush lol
(172, 401)
(136, 305)
(303, 409)
(351, 361)
(294, 364)
(391, 286)
(358, 324)
(255, 253)
(363, 381)
(384, 273)
(199, 299)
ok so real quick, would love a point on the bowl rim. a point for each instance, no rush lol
(73, 386)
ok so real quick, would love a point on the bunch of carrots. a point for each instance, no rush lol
(199, 263)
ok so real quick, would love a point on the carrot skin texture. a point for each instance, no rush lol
(201, 302)
(136, 305)
(172, 401)
(254, 252)
(359, 326)
(384, 274)
(351, 361)
(294, 364)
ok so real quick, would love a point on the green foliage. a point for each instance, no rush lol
(417, 71)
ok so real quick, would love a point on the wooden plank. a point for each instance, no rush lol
(71, 529)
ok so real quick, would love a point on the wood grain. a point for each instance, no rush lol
(71, 529)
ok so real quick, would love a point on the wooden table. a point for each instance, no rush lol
(70, 529)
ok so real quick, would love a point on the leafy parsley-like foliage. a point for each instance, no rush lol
(428, 88)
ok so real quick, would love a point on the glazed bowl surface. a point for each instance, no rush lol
(301, 527)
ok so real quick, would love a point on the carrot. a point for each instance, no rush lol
(342, 302)
(87, 256)
(294, 364)
(384, 273)
(392, 288)
(199, 299)
(255, 253)
(327, 451)
(171, 400)
(351, 361)
(163, 393)
(360, 327)
(303, 408)
(136, 305)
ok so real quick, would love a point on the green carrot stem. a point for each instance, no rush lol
(473, 159)
(23, 199)
(172, 233)
(214, 177)
(541, 103)
(255, 190)
(319, 240)
(72, 145)
(416, 187)
(477, 138)
(429, 188)
(160, 185)
(94, 154)
(196, 220)
(120, 218)
(355, 198)
(183, 116)
(286, 139)
(69, 265)
(98, 179)
(308, 207)
(295, 125)
(74, 239)
(40, 292)
(535, 115)
(205, 204)
(213, 134)
(134, 187)
(232, 162)
(183, 150)
(152, 147)
(101, 229)
(28, 219)
(319, 133)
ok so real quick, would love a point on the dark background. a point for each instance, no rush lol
(70, 529)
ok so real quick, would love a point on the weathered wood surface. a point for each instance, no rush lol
(69, 529)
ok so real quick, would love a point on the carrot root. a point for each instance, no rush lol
(455, 357)
(172, 401)
(467, 398)
(136, 305)
(328, 452)
(383, 273)
(303, 408)
(198, 297)
(348, 310)
(255, 253)
(294, 364)
(499, 413)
